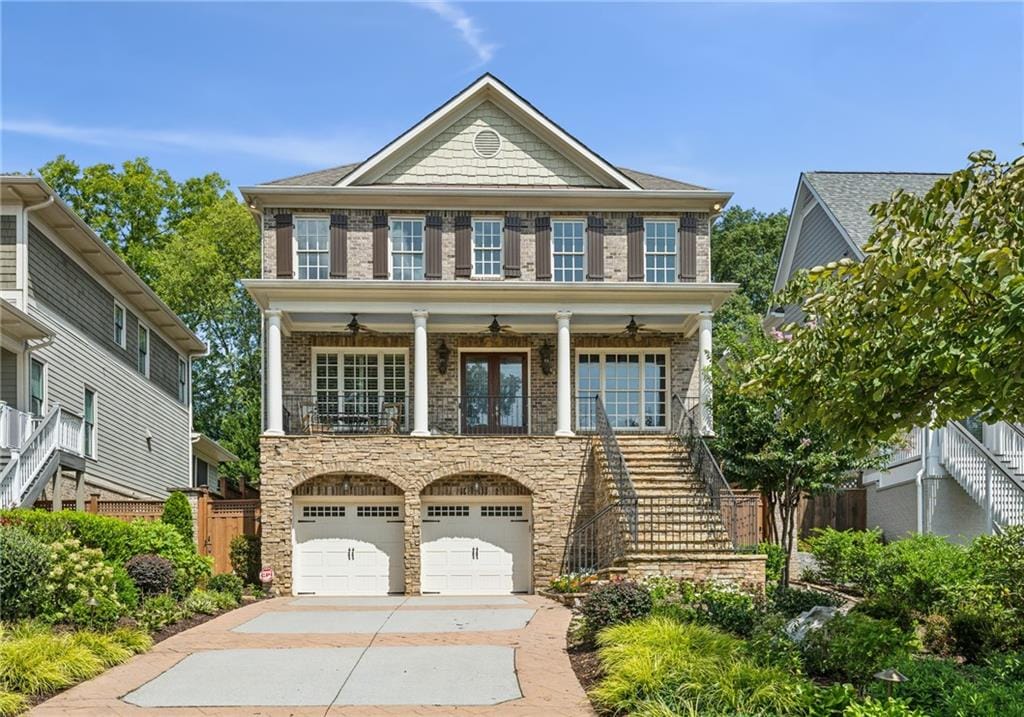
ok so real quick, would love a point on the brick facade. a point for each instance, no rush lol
(360, 238)
(547, 468)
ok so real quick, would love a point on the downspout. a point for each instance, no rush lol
(919, 479)
(24, 254)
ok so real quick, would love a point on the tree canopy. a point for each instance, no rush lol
(928, 328)
(193, 242)
(745, 248)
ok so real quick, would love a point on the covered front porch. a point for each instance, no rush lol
(484, 359)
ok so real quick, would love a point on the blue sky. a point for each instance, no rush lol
(740, 97)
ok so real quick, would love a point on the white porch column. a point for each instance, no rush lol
(420, 425)
(275, 384)
(704, 359)
(564, 395)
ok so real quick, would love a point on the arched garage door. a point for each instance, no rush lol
(476, 546)
(348, 546)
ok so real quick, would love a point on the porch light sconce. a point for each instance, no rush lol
(544, 354)
(443, 354)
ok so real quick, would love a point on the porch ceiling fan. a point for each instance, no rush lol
(633, 329)
(355, 328)
(496, 328)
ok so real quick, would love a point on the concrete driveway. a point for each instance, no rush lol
(350, 656)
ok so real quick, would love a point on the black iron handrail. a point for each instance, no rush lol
(615, 463)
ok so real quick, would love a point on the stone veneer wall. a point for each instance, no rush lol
(360, 240)
(297, 353)
(548, 467)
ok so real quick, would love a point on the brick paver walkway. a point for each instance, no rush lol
(546, 679)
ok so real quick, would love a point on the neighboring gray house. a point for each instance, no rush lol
(961, 480)
(94, 367)
(207, 455)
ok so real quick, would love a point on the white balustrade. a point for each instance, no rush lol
(909, 448)
(59, 430)
(983, 476)
(1006, 440)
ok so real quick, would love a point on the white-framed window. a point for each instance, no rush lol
(633, 386)
(120, 332)
(89, 423)
(406, 249)
(567, 244)
(354, 386)
(143, 356)
(37, 387)
(487, 236)
(182, 380)
(661, 242)
(312, 247)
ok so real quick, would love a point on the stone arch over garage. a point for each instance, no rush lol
(462, 469)
(351, 469)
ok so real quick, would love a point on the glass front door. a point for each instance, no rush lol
(493, 393)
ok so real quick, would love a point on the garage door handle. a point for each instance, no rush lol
(306, 521)
(520, 520)
(351, 553)
(428, 520)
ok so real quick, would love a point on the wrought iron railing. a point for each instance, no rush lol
(727, 507)
(615, 464)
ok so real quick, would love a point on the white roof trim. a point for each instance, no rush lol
(796, 216)
(487, 87)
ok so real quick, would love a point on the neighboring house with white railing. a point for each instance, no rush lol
(95, 393)
(960, 480)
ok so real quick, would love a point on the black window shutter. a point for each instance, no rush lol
(339, 245)
(432, 247)
(284, 246)
(688, 247)
(542, 240)
(380, 247)
(635, 249)
(595, 248)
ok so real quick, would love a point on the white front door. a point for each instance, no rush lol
(348, 548)
(476, 548)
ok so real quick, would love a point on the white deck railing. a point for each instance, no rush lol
(983, 476)
(909, 448)
(15, 427)
(1006, 441)
(60, 430)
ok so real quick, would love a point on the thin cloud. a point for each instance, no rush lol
(465, 25)
(304, 150)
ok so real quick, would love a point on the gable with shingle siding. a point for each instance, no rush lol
(524, 159)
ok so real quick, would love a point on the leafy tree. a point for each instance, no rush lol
(928, 328)
(745, 248)
(759, 446)
(193, 242)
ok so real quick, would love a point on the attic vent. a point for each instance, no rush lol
(487, 143)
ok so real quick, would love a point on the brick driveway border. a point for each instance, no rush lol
(545, 675)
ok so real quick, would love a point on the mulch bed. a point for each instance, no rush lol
(586, 666)
(197, 619)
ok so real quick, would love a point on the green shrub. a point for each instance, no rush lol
(158, 612)
(657, 666)
(151, 574)
(80, 588)
(127, 593)
(769, 645)
(729, 609)
(853, 647)
(918, 571)
(775, 563)
(612, 603)
(881, 708)
(11, 703)
(570, 583)
(937, 636)
(790, 602)
(40, 662)
(24, 564)
(246, 560)
(178, 514)
(662, 589)
(846, 557)
(136, 641)
(1000, 560)
(227, 583)
(208, 602)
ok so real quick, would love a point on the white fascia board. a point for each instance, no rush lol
(487, 87)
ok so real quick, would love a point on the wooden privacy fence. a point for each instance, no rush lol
(216, 522)
(842, 510)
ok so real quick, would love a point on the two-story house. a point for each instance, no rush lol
(459, 333)
(958, 480)
(95, 394)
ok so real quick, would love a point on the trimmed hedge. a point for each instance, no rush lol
(24, 565)
(178, 514)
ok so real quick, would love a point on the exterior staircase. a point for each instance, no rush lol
(37, 449)
(991, 471)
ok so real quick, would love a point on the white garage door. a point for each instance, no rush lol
(348, 548)
(472, 548)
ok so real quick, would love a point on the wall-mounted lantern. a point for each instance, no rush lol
(544, 354)
(443, 354)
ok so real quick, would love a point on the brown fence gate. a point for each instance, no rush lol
(220, 521)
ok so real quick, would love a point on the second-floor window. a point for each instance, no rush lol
(487, 247)
(182, 380)
(407, 249)
(143, 356)
(312, 242)
(660, 251)
(89, 424)
(119, 332)
(37, 388)
(567, 250)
